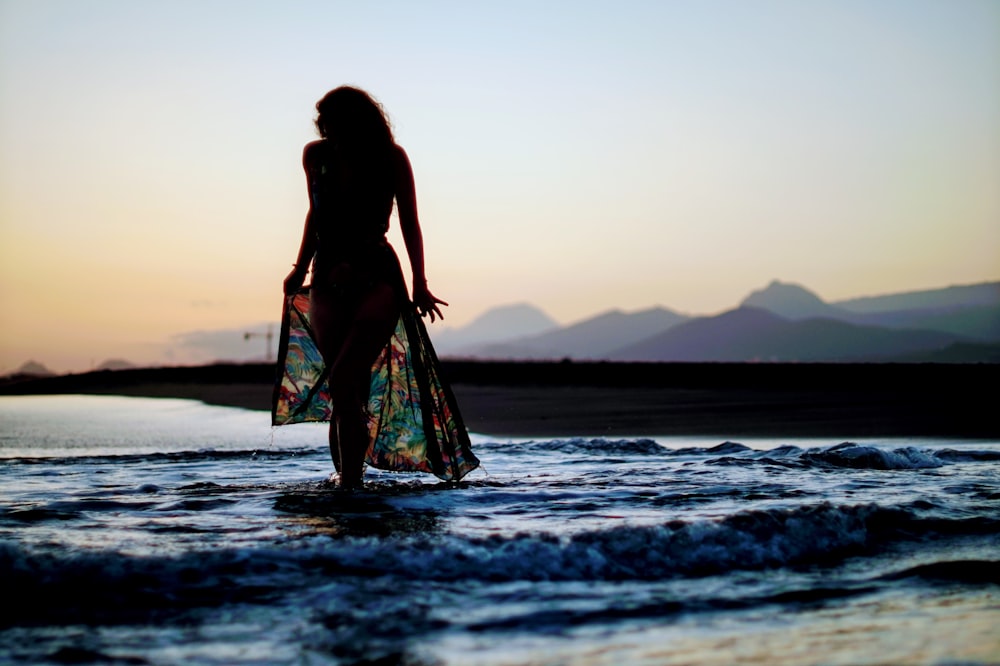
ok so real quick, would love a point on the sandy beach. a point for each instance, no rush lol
(610, 399)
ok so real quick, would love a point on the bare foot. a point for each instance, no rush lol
(337, 481)
(357, 484)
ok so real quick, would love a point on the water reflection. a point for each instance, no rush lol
(322, 509)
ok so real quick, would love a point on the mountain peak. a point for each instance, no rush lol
(503, 322)
(777, 288)
(115, 364)
(34, 368)
(788, 300)
(521, 318)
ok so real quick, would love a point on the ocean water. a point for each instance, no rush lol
(154, 531)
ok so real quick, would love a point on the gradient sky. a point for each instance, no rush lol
(573, 154)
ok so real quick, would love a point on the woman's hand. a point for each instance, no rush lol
(426, 302)
(294, 280)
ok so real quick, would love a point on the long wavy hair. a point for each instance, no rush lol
(352, 118)
(358, 132)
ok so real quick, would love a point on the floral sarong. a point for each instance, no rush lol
(413, 420)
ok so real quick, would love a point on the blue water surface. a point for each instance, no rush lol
(167, 531)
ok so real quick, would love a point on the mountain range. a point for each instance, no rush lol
(781, 322)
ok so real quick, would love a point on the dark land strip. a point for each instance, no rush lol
(727, 400)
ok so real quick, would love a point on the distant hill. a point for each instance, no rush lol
(29, 371)
(234, 345)
(32, 369)
(115, 364)
(973, 295)
(972, 311)
(592, 338)
(753, 334)
(501, 323)
(979, 322)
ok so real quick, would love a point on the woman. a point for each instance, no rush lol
(358, 314)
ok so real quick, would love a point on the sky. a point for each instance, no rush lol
(574, 154)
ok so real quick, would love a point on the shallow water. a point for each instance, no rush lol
(168, 531)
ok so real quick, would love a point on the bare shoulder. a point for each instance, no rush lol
(399, 156)
(312, 151)
(401, 162)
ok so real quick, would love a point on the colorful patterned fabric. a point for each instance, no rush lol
(413, 420)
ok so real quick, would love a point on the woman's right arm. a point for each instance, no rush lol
(307, 248)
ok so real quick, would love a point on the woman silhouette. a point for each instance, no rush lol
(380, 385)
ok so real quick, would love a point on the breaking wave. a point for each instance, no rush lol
(100, 584)
(846, 455)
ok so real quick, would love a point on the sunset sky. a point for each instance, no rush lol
(577, 155)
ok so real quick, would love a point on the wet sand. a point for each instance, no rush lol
(728, 401)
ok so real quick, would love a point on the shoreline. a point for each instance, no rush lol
(613, 400)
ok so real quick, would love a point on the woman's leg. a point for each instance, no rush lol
(350, 341)
(330, 318)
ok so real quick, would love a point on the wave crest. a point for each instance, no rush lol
(96, 584)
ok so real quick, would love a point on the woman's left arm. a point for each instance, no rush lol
(301, 266)
(406, 204)
(307, 248)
